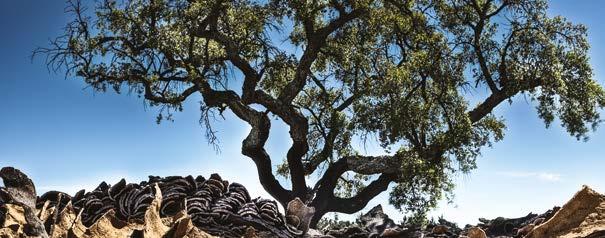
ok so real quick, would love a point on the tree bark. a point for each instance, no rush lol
(316, 218)
(325, 201)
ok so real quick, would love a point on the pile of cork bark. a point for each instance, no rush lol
(199, 207)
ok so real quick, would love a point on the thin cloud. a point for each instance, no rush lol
(544, 176)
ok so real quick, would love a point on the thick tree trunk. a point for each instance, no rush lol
(325, 201)
(322, 204)
(315, 220)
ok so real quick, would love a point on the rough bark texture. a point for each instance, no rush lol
(19, 189)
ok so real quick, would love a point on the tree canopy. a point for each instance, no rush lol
(404, 73)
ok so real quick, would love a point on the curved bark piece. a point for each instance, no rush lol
(109, 226)
(20, 190)
(153, 223)
(299, 215)
(18, 186)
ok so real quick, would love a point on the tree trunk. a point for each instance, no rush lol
(318, 215)
(322, 204)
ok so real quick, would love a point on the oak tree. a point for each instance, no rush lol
(404, 73)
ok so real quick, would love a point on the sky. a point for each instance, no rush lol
(67, 137)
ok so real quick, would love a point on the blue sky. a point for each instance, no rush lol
(67, 137)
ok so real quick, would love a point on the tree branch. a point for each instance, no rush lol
(149, 95)
(478, 30)
(253, 144)
(495, 99)
(486, 106)
(366, 165)
(361, 199)
(315, 42)
(297, 122)
(251, 75)
(299, 127)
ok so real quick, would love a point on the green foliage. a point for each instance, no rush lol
(397, 72)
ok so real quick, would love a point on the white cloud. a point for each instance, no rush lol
(549, 176)
(544, 176)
